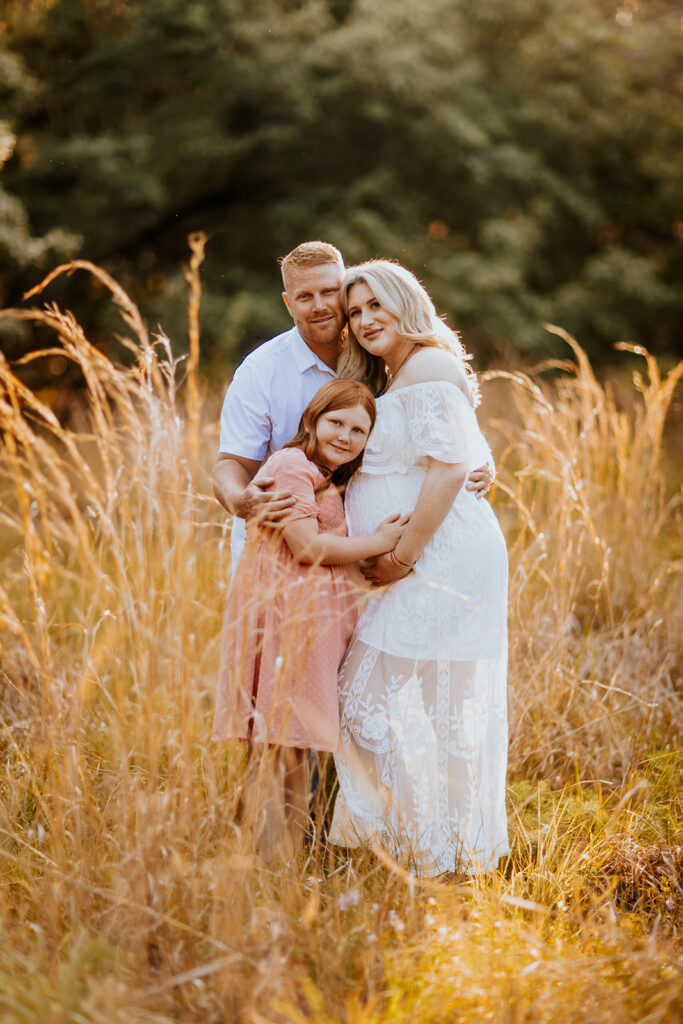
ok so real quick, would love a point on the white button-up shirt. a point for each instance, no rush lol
(264, 402)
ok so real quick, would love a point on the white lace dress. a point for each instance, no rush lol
(423, 744)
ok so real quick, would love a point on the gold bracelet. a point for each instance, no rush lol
(399, 564)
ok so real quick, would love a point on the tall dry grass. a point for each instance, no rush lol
(130, 891)
(595, 598)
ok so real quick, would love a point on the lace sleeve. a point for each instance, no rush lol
(442, 421)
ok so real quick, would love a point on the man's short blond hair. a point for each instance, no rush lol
(310, 254)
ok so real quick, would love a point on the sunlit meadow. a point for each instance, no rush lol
(130, 889)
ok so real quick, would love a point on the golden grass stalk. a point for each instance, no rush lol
(591, 531)
(197, 243)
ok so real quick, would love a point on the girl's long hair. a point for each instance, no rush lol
(400, 293)
(338, 394)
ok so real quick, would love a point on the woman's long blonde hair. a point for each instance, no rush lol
(401, 294)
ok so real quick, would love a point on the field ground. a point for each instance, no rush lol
(129, 888)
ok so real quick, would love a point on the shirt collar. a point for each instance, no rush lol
(304, 358)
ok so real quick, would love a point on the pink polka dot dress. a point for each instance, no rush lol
(286, 626)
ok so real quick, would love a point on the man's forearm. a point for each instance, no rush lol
(229, 482)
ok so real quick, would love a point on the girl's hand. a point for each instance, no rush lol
(390, 531)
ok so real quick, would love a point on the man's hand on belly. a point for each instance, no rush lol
(479, 480)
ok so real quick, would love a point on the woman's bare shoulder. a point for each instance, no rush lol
(429, 363)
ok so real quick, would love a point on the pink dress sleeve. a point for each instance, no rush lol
(293, 472)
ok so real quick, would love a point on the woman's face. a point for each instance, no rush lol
(341, 435)
(374, 327)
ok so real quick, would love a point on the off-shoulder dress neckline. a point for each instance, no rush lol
(420, 384)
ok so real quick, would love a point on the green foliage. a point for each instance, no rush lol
(19, 248)
(521, 156)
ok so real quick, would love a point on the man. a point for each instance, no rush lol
(272, 386)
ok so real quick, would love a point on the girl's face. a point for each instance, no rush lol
(341, 435)
(375, 328)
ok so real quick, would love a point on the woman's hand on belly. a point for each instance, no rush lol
(357, 576)
(382, 570)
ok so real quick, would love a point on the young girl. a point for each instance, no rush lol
(291, 610)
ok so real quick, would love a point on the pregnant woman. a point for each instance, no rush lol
(423, 713)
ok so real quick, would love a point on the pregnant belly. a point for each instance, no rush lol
(470, 525)
(454, 602)
(370, 498)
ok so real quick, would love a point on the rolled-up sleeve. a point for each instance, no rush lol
(246, 423)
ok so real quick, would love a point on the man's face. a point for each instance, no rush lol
(312, 298)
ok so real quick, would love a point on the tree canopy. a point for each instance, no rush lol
(521, 156)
